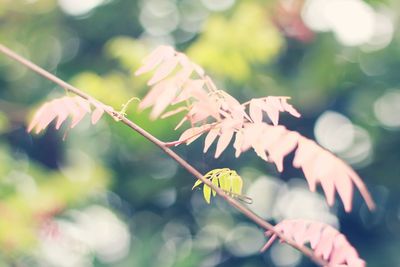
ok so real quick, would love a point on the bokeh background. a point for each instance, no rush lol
(107, 197)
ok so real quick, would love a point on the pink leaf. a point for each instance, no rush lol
(173, 112)
(289, 108)
(180, 123)
(272, 110)
(319, 166)
(211, 136)
(60, 108)
(238, 143)
(164, 100)
(155, 58)
(328, 244)
(223, 141)
(191, 88)
(36, 118)
(154, 93)
(96, 115)
(163, 70)
(192, 134)
(62, 113)
(255, 110)
(47, 116)
(278, 151)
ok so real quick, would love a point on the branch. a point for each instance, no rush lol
(118, 117)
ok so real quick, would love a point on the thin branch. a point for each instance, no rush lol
(118, 116)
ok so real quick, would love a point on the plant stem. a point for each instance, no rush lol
(163, 146)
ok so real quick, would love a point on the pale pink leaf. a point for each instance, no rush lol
(163, 71)
(327, 243)
(180, 123)
(47, 116)
(255, 110)
(164, 100)
(192, 134)
(62, 113)
(211, 136)
(60, 109)
(199, 70)
(82, 103)
(173, 112)
(76, 118)
(198, 113)
(289, 108)
(186, 71)
(223, 141)
(274, 101)
(154, 93)
(96, 115)
(191, 88)
(272, 111)
(281, 149)
(155, 58)
(318, 165)
(238, 143)
(36, 118)
(360, 185)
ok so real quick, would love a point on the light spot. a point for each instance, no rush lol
(334, 131)
(218, 5)
(78, 7)
(387, 109)
(285, 256)
(244, 240)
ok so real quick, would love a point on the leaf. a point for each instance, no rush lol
(191, 89)
(223, 141)
(164, 99)
(216, 184)
(238, 143)
(211, 136)
(326, 242)
(173, 112)
(197, 183)
(207, 193)
(228, 180)
(155, 58)
(318, 165)
(154, 93)
(60, 109)
(272, 105)
(96, 115)
(255, 110)
(163, 70)
(192, 134)
(289, 108)
(272, 109)
(169, 86)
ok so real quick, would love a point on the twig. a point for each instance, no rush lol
(116, 115)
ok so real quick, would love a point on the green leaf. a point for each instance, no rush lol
(207, 193)
(237, 184)
(214, 182)
(228, 180)
(197, 183)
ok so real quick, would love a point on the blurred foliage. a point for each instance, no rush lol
(246, 38)
(32, 194)
(250, 50)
